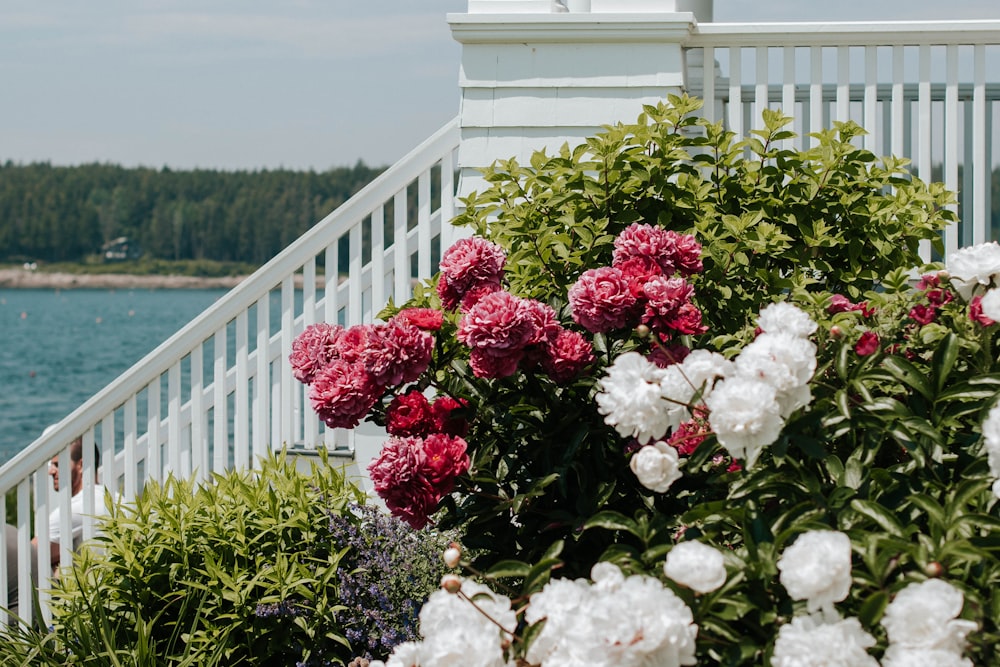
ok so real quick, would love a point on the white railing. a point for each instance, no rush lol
(925, 90)
(220, 393)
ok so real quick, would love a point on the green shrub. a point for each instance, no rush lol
(192, 574)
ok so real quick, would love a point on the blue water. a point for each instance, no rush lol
(60, 347)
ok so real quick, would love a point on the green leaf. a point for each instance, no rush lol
(908, 374)
(610, 520)
(509, 568)
(879, 514)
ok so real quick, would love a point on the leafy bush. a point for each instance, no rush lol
(189, 574)
(829, 400)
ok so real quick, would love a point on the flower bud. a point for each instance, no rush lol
(452, 555)
(642, 331)
(943, 274)
(836, 332)
(451, 583)
(934, 569)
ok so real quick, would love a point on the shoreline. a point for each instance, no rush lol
(22, 279)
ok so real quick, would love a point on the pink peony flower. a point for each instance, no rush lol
(342, 393)
(841, 304)
(976, 312)
(313, 349)
(353, 343)
(939, 297)
(664, 299)
(398, 480)
(928, 281)
(499, 323)
(642, 240)
(687, 320)
(867, 344)
(923, 314)
(469, 263)
(567, 356)
(689, 434)
(601, 300)
(687, 254)
(473, 296)
(488, 365)
(410, 415)
(409, 351)
(546, 321)
(637, 271)
(445, 421)
(444, 459)
(428, 319)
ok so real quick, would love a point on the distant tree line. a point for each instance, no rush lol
(51, 213)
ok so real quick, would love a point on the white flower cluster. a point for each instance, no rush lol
(455, 634)
(617, 621)
(817, 569)
(749, 398)
(991, 437)
(923, 626)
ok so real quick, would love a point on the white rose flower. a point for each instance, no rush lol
(657, 466)
(902, 656)
(991, 304)
(974, 266)
(696, 565)
(817, 568)
(784, 317)
(745, 416)
(925, 616)
(631, 398)
(812, 641)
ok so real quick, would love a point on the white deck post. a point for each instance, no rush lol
(537, 74)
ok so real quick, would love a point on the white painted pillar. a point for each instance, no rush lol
(540, 73)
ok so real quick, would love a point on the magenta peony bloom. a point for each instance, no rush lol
(488, 365)
(410, 415)
(642, 240)
(567, 356)
(867, 344)
(499, 323)
(445, 421)
(687, 254)
(444, 459)
(923, 314)
(668, 355)
(353, 343)
(976, 312)
(687, 320)
(637, 271)
(398, 480)
(313, 349)
(468, 264)
(473, 296)
(601, 300)
(841, 304)
(668, 306)
(342, 393)
(408, 352)
(939, 297)
(428, 319)
(689, 434)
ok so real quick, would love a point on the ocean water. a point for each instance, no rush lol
(60, 347)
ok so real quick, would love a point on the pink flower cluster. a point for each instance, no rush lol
(936, 296)
(470, 269)
(504, 332)
(412, 415)
(412, 474)
(348, 370)
(645, 283)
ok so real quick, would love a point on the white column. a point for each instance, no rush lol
(535, 76)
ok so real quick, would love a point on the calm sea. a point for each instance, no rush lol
(59, 348)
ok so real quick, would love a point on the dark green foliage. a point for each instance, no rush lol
(55, 214)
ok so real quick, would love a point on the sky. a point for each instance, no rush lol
(252, 84)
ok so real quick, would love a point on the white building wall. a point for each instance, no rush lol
(536, 74)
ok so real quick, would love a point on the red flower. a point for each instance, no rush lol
(444, 422)
(428, 319)
(687, 254)
(687, 320)
(923, 314)
(444, 459)
(867, 344)
(927, 281)
(409, 415)
(688, 435)
(602, 300)
(567, 355)
(668, 306)
(468, 264)
(641, 240)
(976, 312)
(667, 355)
(939, 297)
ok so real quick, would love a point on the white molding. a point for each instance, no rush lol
(583, 28)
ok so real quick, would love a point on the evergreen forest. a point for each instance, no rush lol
(65, 214)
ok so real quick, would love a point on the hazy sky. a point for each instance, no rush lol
(244, 84)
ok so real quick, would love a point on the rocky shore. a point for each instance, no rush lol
(21, 278)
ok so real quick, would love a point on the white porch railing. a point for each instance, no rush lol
(925, 90)
(220, 393)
